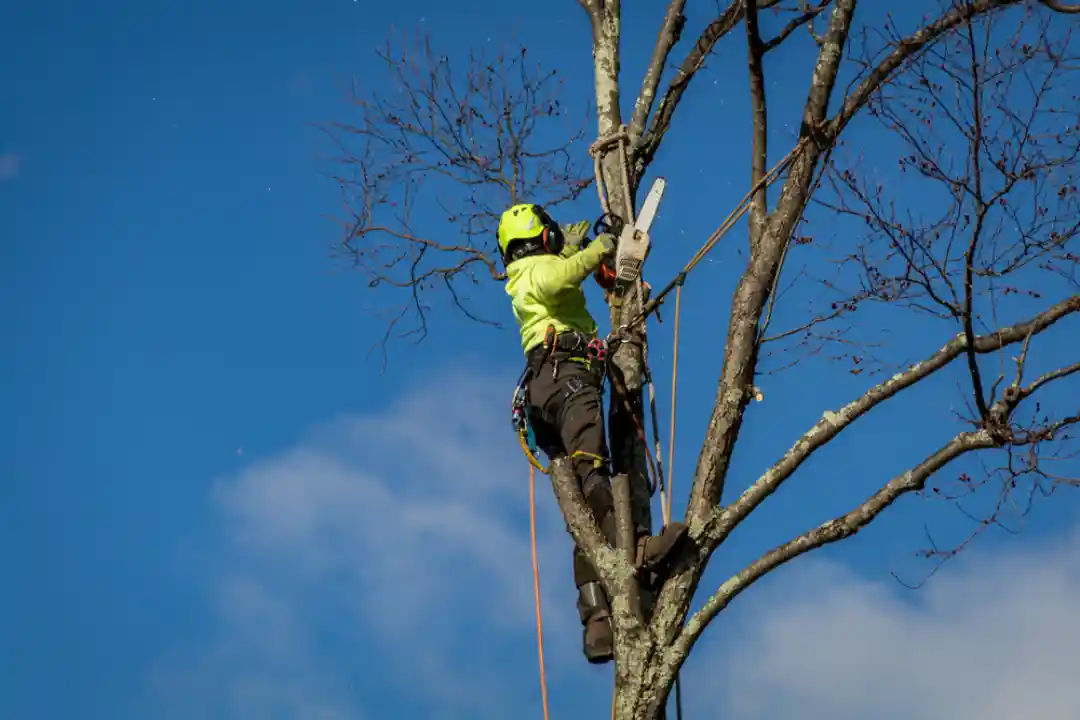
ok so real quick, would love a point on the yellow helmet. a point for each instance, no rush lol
(526, 221)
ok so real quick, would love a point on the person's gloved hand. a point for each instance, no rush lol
(574, 235)
(606, 241)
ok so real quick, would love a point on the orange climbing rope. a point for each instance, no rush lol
(536, 588)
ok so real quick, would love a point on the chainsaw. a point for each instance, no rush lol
(633, 243)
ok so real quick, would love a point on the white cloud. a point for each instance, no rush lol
(406, 532)
(393, 545)
(988, 638)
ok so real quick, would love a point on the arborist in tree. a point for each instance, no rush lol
(563, 386)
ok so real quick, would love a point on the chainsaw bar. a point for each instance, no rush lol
(633, 245)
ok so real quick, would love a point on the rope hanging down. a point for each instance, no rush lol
(536, 590)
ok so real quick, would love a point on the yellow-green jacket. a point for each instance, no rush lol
(546, 289)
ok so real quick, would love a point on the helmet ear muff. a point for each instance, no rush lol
(552, 236)
(553, 239)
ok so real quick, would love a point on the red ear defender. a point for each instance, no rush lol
(544, 238)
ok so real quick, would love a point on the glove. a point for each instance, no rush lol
(606, 241)
(574, 235)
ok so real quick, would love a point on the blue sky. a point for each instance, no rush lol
(215, 506)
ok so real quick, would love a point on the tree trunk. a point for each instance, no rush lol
(630, 478)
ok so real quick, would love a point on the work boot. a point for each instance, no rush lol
(598, 638)
(654, 551)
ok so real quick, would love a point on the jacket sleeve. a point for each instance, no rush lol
(561, 274)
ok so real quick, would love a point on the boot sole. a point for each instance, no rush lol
(600, 659)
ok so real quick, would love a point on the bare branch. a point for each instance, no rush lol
(837, 529)
(906, 48)
(806, 18)
(850, 523)
(1061, 6)
(468, 141)
(832, 423)
(670, 33)
(1046, 379)
(759, 143)
(993, 149)
(752, 293)
(980, 219)
(694, 61)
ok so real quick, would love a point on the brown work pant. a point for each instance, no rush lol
(566, 410)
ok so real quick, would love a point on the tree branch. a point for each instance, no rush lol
(752, 293)
(670, 32)
(837, 529)
(807, 17)
(1046, 379)
(1062, 7)
(691, 64)
(580, 520)
(852, 522)
(905, 49)
(467, 140)
(976, 143)
(759, 142)
(833, 423)
(616, 572)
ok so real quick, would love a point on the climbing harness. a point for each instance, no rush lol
(593, 354)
